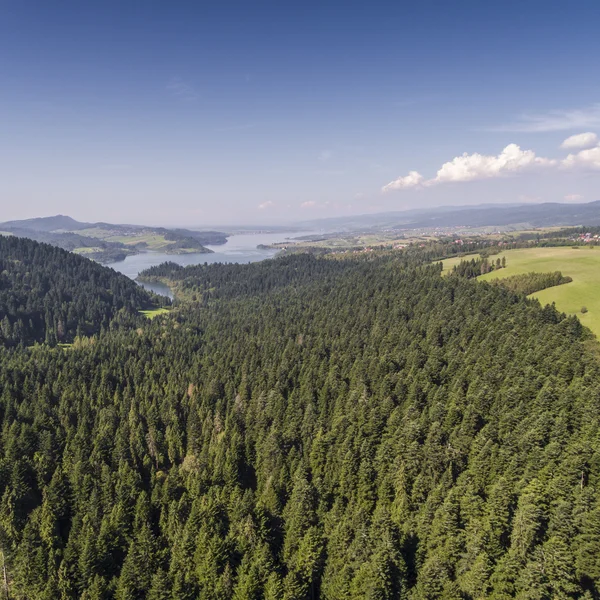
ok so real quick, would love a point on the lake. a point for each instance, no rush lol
(238, 249)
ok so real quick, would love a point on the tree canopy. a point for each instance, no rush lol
(49, 294)
(308, 428)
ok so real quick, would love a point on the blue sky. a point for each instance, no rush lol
(198, 113)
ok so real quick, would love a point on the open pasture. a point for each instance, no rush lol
(150, 314)
(581, 263)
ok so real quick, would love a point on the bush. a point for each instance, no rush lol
(583, 309)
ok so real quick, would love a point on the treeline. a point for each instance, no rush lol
(206, 282)
(359, 428)
(187, 243)
(204, 237)
(225, 280)
(570, 232)
(478, 266)
(528, 283)
(50, 295)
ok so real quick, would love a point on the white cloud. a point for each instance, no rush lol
(512, 160)
(573, 197)
(413, 179)
(554, 120)
(586, 159)
(471, 167)
(266, 204)
(581, 140)
(308, 204)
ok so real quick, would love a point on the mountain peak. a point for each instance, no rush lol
(53, 223)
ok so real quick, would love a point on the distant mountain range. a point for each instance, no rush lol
(106, 242)
(486, 215)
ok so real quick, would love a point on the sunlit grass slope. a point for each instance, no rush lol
(581, 264)
(154, 313)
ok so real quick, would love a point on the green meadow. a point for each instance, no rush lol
(154, 241)
(449, 263)
(87, 250)
(582, 264)
(150, 314)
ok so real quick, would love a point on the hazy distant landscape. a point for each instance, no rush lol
(110, 244)
(106, 242)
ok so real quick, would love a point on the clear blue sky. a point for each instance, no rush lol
(211, 113)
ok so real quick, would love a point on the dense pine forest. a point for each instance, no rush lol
(49, 294)
(301, 428)
(529, 283)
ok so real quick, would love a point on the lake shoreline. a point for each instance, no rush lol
(241, 248)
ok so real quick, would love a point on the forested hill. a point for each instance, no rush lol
(230, 280)
(381, 432)
(205, 282)
(48, 294)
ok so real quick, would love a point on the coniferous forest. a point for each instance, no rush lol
(48, 294)
(301, 428)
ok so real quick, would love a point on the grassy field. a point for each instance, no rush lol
(155, 242)
(452, 262)
(582, 264)
(87, 250)
(150, 314)
(354, 240)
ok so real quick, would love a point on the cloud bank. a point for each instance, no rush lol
(580, 141)
(589, 159)
(511, 161)
(413, 179)
(470, 167)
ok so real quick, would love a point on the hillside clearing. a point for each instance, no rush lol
(150, 314)
(581, 263)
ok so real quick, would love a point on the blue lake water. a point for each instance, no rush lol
(238, 249)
